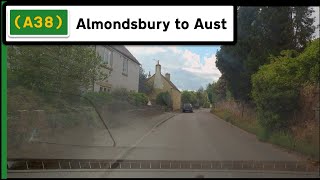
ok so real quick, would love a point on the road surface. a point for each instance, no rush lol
(185, 136)
(203, 136)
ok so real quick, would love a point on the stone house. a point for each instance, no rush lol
(121, 67)
(160, 83)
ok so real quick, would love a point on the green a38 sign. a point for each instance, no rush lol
(38, 22)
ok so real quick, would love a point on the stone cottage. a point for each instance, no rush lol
(160, 83)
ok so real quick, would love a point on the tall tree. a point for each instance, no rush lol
(219, 90)
(209, 91)
(54, 68)
(262, 31)
(303, 23)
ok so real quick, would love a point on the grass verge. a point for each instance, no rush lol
(308, 146)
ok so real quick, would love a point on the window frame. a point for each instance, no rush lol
(107, 58)
(125, 65)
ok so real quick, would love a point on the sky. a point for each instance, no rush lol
(190, 67)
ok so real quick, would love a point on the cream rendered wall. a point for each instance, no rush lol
(116, 77)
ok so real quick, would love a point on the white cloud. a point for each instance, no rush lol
(188, 69)
(192, 60)
(175, 49)
(207, 70)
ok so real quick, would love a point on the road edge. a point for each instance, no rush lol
(298, 154)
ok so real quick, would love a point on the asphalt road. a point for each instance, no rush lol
(203, 136)
(188, 136)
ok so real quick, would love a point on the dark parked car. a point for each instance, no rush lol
(187, 107)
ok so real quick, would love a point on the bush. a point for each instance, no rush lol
(206, 105)
(263, 135)
(163, 99)
(275, 87)
(138, 99)
(134, 98)
(120, 94)
(275, 94)
(20, 98)
(97, 98)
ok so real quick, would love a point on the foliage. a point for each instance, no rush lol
(219, 89)
(283, 139)
(143, 86)
(188, 97)
(262, 31)
(134, 98)
(164, 99)
(120, 94)
(200, 96)
(276, 85)
(138, 99)
(206, 104)
(209, 90)
(20, 98)
(197, 99)
(62, 69)
(98, 98)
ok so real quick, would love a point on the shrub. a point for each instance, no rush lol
(120, 94)
(275, 94)
(20, 98)
(138, 99)
(206, 104)
(97, 98)
(263, 135)
(275, 87)
(163, 99)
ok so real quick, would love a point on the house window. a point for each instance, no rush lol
(103, 89)
(107, 57)
(125, 66)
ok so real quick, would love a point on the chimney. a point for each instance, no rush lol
(157, 83)
(149, 75)
(167, 76)
(158, 68)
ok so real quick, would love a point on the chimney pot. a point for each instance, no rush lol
(167, 75)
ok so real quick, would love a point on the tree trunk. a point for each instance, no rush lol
(242, 109)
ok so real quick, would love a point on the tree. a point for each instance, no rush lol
(219, 90)
(206, 102)
(303, 25)
(143, 86)
(209, 90)
(200, 96)
(188, 97)
(62, 69)
(262, 31)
